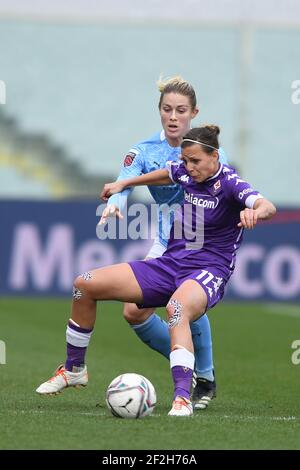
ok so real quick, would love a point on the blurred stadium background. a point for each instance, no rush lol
(78, 89)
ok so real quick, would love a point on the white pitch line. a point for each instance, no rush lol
(196, 415)
(271, 418)
(283, 309)
(284, 418)
(84, 413)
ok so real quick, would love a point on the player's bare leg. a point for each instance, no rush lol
(111, 283)
(115, 282)
(153, 331)
(134, 315)
(147, 325)
(186, 304)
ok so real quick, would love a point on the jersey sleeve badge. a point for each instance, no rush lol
(129, 158)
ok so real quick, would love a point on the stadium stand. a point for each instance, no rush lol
(32, 165)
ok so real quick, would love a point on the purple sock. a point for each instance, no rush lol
(75, 357)
(79, 337)
(182, 378)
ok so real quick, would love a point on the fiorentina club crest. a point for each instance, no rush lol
(217, 185)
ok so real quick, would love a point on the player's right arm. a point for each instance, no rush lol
(154, 178)
(132, 166)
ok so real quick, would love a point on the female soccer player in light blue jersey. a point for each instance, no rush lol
(177, 107)
(191, 275)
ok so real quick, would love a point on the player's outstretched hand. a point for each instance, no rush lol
(110, 211)
(111, 188)
(248, 218)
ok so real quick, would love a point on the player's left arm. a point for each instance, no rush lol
(254, 206)
(262, 210)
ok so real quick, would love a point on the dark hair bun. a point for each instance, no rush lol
(215, 130)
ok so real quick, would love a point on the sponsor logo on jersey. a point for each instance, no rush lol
(245, 191)
(184, 178)
(202, 200)
(128, 160)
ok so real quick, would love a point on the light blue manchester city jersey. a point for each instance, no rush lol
(149, 155)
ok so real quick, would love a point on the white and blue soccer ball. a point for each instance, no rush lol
(131, 396)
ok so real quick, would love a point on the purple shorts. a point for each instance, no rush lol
(159, 278)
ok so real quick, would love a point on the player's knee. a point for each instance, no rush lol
(131, 313)
(82, 287)
(135, 316)
(174, 312)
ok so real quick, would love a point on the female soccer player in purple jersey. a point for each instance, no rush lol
(177, 107)
(189, 278)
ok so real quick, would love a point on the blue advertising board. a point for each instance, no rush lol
(44, 245)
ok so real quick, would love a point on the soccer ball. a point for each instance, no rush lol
(131, 396)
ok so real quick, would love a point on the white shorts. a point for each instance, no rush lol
(156, 250)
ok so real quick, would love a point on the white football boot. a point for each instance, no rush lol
(62, 379)
(181, 407)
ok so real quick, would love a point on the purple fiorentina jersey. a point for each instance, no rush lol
(211, 210)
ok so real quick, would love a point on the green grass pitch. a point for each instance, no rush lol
(257, 404)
